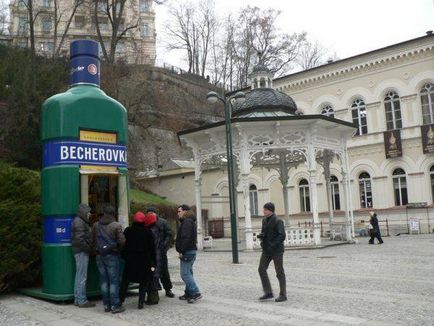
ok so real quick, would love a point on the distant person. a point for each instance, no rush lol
(272, 237)
(164, 243)
(186, 239)
(375, 230)
(81, 241)
(139, 256)
(109, 240)
(154, 286)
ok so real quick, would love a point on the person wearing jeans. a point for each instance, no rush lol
(186, 239)
(81, 242)
(109, 240)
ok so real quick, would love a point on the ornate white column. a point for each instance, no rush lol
(245, 168)
(314, 194)
(326, 161)
(283, 173)
(345, 182)
(123, 201)
(197, 195)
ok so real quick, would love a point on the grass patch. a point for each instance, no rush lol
(138, 196)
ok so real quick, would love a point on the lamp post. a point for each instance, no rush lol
(213, 97)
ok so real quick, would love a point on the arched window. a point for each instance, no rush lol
(304, 195)
(431, 175)
(427, 100)
(365, 190)
(328, 111)
(262, 83)
(400, 187)
(253, 195)
(358, 109)
(393, 111)
(336, 203)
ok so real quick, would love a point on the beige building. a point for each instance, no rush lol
(136, 46)
(389, 94)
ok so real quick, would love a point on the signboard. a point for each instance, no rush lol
(392, 143)
(98, 137)
(427, 132)
(57, 229)
(81, 152)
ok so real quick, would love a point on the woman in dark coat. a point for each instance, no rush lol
(139, 256)
(154, 286)
(375, 231)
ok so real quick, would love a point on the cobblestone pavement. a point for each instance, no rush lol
(390, 284)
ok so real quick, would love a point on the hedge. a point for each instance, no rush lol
(20, 227)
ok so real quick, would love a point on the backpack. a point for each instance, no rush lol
(104, 244)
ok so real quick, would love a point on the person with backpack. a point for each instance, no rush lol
(81, 241)
(109, 240)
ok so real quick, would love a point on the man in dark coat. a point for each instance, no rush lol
(375, 231)
(272, 237)
(81, 241)
(186, 239)
(165, 239)
(139, 256)
(109, 240)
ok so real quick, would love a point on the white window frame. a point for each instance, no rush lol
(427, 90)
(394, 100)
(397, 181)
(364, 195)
(359, 105)
(334, 185)
(304, 193)
(253, 197)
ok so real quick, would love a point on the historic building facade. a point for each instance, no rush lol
(53, 17)
(389, 94)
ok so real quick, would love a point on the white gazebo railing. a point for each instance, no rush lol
(295, 237)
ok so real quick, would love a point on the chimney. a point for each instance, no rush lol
(329, 60)
(428, 32)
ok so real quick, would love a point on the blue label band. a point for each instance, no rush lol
(57, 229)
(84, 69)
(85, 153)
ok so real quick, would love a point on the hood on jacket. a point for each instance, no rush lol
(150, 218)
(189, 214)
(107, 219)
(82, 211)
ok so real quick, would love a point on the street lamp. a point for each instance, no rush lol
(213, 97)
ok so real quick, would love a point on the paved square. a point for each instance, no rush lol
(390, 284)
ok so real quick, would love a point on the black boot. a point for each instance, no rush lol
(266, 296)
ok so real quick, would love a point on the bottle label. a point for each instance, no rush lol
(84, 69)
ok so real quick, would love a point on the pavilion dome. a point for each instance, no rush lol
(263, 100)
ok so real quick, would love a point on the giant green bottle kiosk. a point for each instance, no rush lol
(84, 136)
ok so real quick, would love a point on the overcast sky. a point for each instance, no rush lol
(344, 27)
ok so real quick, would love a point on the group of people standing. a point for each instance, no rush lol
(143, 247)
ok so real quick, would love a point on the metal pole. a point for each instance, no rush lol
(232, 190)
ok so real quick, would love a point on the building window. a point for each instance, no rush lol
(400, 187)
(427, 99)
(102, 22)
(23, 25)
(145, 30)
(393, 111)
(431, 175)
(46, 25)
(120, 47)
(253, 195)
(359, 116)
(304, 195)
(365, 190)
(46, 3)
(334, 183)
(79, 21)
(144, 5)
(328, 111)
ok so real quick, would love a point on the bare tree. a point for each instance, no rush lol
(311, 55)
(113, 10)
(58, 19)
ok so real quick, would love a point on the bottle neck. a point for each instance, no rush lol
(85, 70)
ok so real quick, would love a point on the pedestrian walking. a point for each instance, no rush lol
(109, 240)
(139, 256)
(81, 242)
(165, 237)
(186, 239)
(272, 237)
(375, 230)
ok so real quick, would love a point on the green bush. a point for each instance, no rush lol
(20, 227)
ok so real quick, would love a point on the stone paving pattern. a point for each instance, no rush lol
(390, 284)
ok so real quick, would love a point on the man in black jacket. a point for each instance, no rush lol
(186, 239)
(375, 231)
(81, 242)
(272, 237)
(164, 241)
